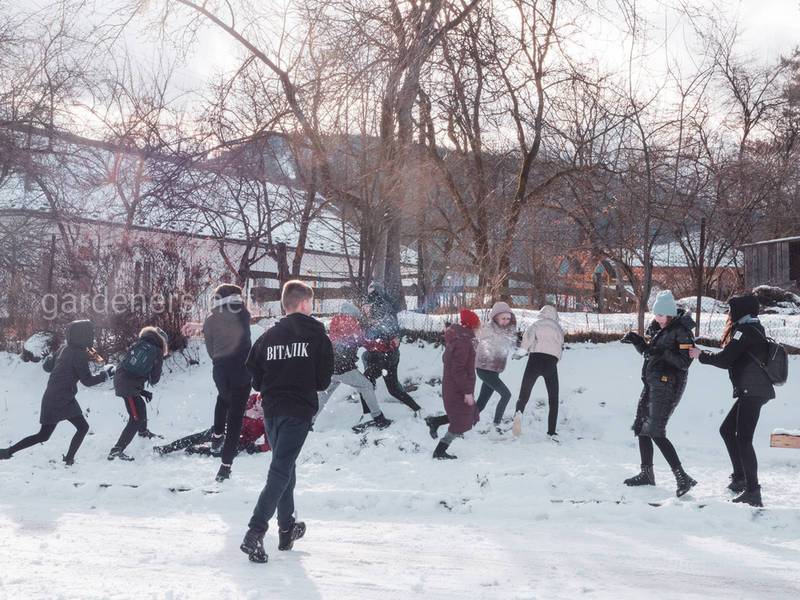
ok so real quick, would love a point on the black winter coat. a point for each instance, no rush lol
(127, 385)
(748, 340)
(290, 363)
(664, 373)
(71, 366)
(227, 336)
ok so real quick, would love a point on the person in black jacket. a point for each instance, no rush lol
(290, 363)
(142, 364)
(744, 350)
(59, 402)
(664, 373)
(227, 337)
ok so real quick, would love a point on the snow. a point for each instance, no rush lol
(524, 518)
(780, 431)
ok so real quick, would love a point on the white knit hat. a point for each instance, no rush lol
(665, 304)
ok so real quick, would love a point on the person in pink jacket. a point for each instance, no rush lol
(544, 342)
(458, 383)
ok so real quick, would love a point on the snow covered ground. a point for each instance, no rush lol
(511, 519)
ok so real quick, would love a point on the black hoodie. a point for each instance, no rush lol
(71, 366)
(227, 336)
(290, 363)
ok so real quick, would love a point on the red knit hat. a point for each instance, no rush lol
(470, 319)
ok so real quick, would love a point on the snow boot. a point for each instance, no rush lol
(287, 537)
(433, 427)
(68, 462)
(5, 454)
(253, 546)
(738, 484)
(685, 483)
(645, 477)
(223, 473)
(516, 429)
(146, 433)
(216, 442)
(440, 452)
(120, 454)
(751, 497)
(379, 422)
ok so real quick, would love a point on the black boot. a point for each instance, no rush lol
(286, 537)
(223, 473)
(738, 484)
(685, 483)
(751, 497)
(68, 460)
(441, 452)
(379, 422)
(147, 434)
(433, 427)
(5, 454)
(253, 546)
(645, 477)
(118, 453)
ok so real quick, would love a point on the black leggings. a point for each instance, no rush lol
(491, 383)
(81, 429)
(666, 447)
(546, 366)
(377, 363)
(737, 432)
(228, 416)
(137, 421)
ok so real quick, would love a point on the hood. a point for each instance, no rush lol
(548, 312)
(302, 325)
(157, 337)
(741, 306)
(500, 308)
(80, 334)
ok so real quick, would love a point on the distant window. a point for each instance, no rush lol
(794, 261)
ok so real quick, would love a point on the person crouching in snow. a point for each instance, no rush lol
(252, 430)
(495, 341)
(141, 364)
(346, 336)
(744, 350)
(58, 402)
(664, 373)
(458, 383)
(544, 343)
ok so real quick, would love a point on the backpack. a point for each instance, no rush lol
(139, 359)
(777, 365)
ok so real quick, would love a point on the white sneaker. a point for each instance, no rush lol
(516, 430)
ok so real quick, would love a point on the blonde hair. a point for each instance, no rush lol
(294, 292)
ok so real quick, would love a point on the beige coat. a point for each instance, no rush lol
(545, 335)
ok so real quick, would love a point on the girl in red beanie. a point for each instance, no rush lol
(458, 383)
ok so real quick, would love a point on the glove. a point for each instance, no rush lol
(147, 395)
(110, 370)
(636, 340)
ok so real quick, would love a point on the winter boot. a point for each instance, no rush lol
(738, 483)
(253, 546)
(223, 473)
(118, 453)
(216, 443)
(516, 429)
(381, 422)
(286, 537)
(645, 477)
(433, 427)
(751, 497)
(5, 454)
(685, 483)
(68, 461)
(146, 433)
(441, 452)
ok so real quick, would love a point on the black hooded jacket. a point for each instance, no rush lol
(748, 342)
(227, 336)
(290, 363)
(127, 385)
(71, 366)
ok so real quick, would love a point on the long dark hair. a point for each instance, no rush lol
(727, 332)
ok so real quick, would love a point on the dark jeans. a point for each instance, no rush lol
(666, 447)
(377, 363)
(492, 383)
(286, 435)
(185, 442)
(541, 365)
(228, 415)
(737, 431)
(137, 420)
(45, 431)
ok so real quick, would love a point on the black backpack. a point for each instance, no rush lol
(139, 359)
(777, 365)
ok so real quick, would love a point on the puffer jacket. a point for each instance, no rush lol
(458, 378)
(664, 374)
(71, 366)
(495, 343)
(545, 335)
